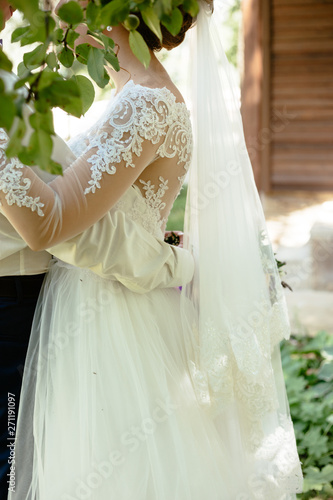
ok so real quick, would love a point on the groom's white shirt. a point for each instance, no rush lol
(98, 248)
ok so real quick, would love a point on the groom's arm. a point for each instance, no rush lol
(118, 248)
(107, 249)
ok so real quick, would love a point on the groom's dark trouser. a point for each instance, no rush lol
(18, 298)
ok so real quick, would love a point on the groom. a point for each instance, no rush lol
(22, 272)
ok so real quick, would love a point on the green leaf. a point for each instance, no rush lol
(15, 142)
(54, 168)
(39, 150)
(22, 71)
(92, 14)
(19, 101)
(71, 13)
(87, 91)
(41, 28)
(82, 52)
(167, 6)
(327, 473)
(5, 63)
(294, 387)
(319, 342)
(41, 105)
(139, 47)
(115, 12)
(327, 352)
(112, 59)
(47, 78)
(19, 33)
(19, 104)
(71, 38)
(51, 60)
(29, 8)
(43, 121)
(38, 31)
(66, 57)
(326, 372)
(108, 42)
(192, 7)
(315, 442)
(8, 111)
(58, 36)
(314, 479)
(319, 390)
(96, 67)
(28, 78)
(64, 94)
(96, 37)
(174, 23)
(35, 58)
(151, 19)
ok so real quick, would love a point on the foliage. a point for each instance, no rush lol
(176, 217)
(233, 22)
(55, 48)
(308, 369)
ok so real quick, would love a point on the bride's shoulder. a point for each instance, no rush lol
(159, 88)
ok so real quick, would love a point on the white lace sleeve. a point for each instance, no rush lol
(116, 155)
(12, 183)
(132, 122)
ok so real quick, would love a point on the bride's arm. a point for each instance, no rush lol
(46, 214)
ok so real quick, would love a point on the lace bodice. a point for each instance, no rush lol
(134, 158)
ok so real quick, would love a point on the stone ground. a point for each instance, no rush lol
(300, 225)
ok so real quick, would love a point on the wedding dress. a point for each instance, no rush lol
(109, 405)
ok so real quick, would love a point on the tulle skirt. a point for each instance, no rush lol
(108, 410)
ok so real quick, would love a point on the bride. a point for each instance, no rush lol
(114, 401)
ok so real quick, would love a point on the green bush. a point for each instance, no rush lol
(176, 217)
(308, 370)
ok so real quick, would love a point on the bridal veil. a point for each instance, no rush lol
(242, 316)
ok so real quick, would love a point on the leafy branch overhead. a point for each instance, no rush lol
(41, 82)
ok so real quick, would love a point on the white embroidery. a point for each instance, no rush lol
(12, 182)
(141, 114)
(178, 140)
(148, 219)
(220, 377)
(154, 200)
(142, 211)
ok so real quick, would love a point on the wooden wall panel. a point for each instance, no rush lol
(251, 84)
(301, 90)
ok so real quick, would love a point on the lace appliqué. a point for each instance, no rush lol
(146, 210)
(141, 114)
(154, 200)
(178, 140)
(12, 182)
(220, 377)
(278, 463)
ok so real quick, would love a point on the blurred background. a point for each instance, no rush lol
(281, 52)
